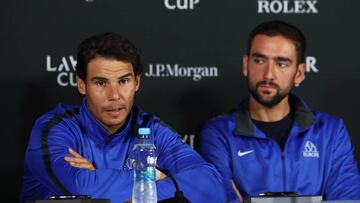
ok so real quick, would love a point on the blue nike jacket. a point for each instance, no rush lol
(46, 173)
(317, 159)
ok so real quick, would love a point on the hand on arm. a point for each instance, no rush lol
(160, 175)
(78, 161)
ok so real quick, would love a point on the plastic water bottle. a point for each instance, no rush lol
(144, 189)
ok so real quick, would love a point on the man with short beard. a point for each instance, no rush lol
(273, 142)
(88, 149)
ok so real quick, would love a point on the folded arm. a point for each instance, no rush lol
(48, 165)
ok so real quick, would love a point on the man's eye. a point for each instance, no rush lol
(100, 83)
(282, 64)
(124, 81)
(258, 60)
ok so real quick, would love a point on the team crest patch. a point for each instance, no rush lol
(310, 150)
(129, 163)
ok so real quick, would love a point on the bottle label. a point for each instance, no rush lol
(145, 174)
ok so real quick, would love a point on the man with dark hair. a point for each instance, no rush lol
(87, 149)
(273, 142)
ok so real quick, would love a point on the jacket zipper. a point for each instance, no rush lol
(107, 141)
(284, 161)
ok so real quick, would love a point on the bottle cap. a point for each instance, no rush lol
(144, 131)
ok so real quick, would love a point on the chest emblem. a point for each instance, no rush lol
(129, 164)
(310, 150)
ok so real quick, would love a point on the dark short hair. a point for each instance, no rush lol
(108, 45)
(275, 28)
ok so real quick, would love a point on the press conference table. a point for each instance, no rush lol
(71, 201)
(89, 201)
(107, 201)
(293, 199)
(342, 201)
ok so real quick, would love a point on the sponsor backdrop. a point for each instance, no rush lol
(192, 52)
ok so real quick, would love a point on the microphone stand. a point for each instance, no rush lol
(178, 196)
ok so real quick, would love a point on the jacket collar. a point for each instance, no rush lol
(304, 117)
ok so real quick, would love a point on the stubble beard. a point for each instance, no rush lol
(274, 100)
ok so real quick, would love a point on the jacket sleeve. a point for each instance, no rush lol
(49, 145)
(344, 178)
(214, 147)
(199, 181)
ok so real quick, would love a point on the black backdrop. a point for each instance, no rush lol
(182, 40)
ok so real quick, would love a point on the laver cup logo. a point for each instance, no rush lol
(64, 68)
(287, 6)
(180, 4)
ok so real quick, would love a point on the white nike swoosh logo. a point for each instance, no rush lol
(244, 153)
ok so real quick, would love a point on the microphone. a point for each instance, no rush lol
(178, 196)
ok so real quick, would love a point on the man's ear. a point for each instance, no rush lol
(245, 65)
(137, 82)
(80, 85)
(300, 74)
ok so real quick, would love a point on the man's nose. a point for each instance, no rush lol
(114, 92)
(269, 72)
